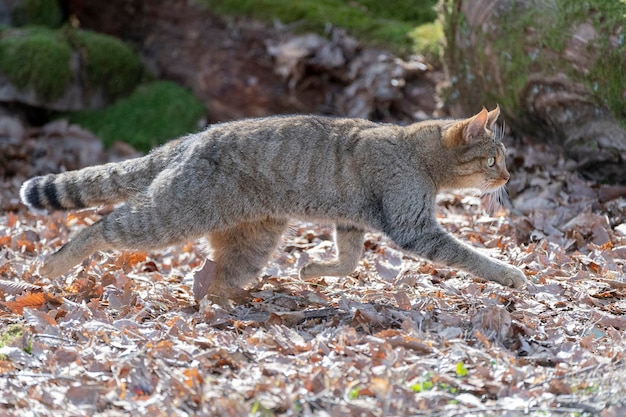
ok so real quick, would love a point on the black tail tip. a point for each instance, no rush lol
(41, 193)
(29, 193)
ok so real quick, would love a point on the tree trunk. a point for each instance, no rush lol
(555, 67)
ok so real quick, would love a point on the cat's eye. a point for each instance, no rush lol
(491, 161)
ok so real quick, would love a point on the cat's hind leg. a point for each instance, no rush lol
(130, 227)
(240, 253)
(349, 241)
(84, 244)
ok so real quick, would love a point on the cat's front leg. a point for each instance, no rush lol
(349, 241)
(435, 244)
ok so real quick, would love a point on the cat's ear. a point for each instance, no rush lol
(476, 126)
(467, 131)
(492, 117)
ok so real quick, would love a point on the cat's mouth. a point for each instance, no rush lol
(494, 185)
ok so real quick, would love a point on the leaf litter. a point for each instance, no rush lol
(122, 333)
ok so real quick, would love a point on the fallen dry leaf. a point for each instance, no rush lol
(30, 300)
(124, 333)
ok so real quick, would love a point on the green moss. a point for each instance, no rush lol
(531, 39)
(402, 10)
(37, 12)
(606, 80)
(153, 114)
(37, 58)
(515, 61)
(427, 39)
(109, 62)
(386, 23)
(9, 334)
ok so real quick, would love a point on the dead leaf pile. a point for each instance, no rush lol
(121, 334)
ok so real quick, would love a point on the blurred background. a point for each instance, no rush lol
(86, 81)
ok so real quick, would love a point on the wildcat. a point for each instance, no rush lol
(239, 182)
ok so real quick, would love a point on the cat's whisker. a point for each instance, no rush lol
(494, 198)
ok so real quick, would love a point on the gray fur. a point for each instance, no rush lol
(238, 183)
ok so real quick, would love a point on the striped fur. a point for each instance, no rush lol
(238, 183)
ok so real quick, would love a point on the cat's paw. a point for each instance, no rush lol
(324, 269)
(311, 270)
(222, 296)
(512, 277)
(53, 266)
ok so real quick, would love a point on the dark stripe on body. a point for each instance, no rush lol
(72, 192)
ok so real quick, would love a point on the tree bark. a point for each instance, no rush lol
(555, 67)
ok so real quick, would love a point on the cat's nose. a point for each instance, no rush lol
(506, 177)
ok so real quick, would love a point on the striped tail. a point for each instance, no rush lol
(92, 186)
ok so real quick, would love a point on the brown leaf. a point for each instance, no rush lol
(613, 283)
(80, 218)
(619, 251)
(202, 279)
(6, 366)
(403, 300)
(482, 338)
(285, 318)
(193, 378)
(611, 192)
(11, 219)
(493, 319)
(31, 300)
(609, 320)
(25, 245)
(411, 343)
(127, 260)
(87, 288)
(52, 299)
(605, 294)
(558, 386)
(367, 317)
(315, 381)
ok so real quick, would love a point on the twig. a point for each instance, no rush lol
(611, 282)
(53, 337)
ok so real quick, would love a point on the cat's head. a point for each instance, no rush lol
(478, 152)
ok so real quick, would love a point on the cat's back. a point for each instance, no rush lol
(279, 144)
(305, 130)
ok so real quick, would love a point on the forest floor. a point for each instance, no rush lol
(122, 334)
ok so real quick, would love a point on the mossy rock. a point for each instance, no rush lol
(153, 114)
(108, 62)
(66, 69)
(427, 40)
(36, 58)
(46, 13)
